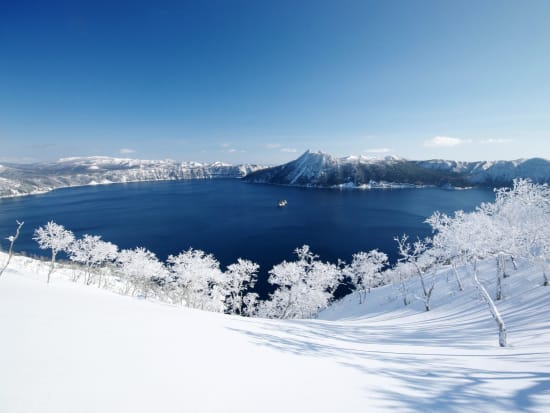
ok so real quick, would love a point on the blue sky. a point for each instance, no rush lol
(262, 81)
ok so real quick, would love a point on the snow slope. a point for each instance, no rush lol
(70, 348)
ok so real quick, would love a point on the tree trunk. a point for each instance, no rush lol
(500, 275)
(514, 263)
(52, 264)
(457, 277)
(403, 291)
(427, 292)
(544, 276)
(12, 241)
(502, 335)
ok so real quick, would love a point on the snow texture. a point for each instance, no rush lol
(70, 348)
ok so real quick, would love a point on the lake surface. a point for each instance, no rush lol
(232, 219)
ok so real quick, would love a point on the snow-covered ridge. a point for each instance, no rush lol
(26, 179)
(318, 169)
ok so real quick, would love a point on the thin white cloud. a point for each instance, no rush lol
(289, 150)
(225, 145)
(126, 151)
(273, 145)
(443, 142)
(232, 150)
(495, 141)
(378, 150)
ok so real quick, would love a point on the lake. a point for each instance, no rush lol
(232, 219)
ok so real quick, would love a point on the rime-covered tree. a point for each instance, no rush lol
(365, 271)
(470, 233)
(141, 269)
(304, 287)
(444, 245)
(197, 280)
(399, 276)
(55, 237)
(416, 254)
(92, 252)
(250, 304)
(11, 239)
(521, 213)
(240, 277)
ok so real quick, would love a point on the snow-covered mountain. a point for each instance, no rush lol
(312, 169)
(24, 179)
(317, 169)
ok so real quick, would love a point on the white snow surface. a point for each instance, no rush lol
(66, 347)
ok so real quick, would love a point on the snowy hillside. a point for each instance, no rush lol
(24, 179)
(317, 169)
(66, 347)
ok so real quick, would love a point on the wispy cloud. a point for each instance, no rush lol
(279, 147)
(24, 159)
(41, 145)
(126, 151)
(225, 145)
(378, 150)
(443, 142)
(495, 141)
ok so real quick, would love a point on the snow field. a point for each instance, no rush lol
(66, 347)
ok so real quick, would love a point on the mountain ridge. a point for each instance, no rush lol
(319, 169)
(311, 169)
(28, 179)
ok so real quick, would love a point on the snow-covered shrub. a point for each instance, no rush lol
(55, 237)
(197, 281)
(240, 277)
(92, 252)
(365, 271)
(141, 270)
(303, 287)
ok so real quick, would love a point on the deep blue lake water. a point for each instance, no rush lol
(232, 219)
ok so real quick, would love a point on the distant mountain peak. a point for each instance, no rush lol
(319, 169)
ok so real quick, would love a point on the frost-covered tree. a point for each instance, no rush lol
(11, 239)
(303, 287)
(141, 269)
(197, 280)
(55, 237)
(250, 304)
(92, 252)
(521, 215)
(365, 271)
(240, 277)
(399, 276)
(417, 255)
(443, 246)
(470, 233)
